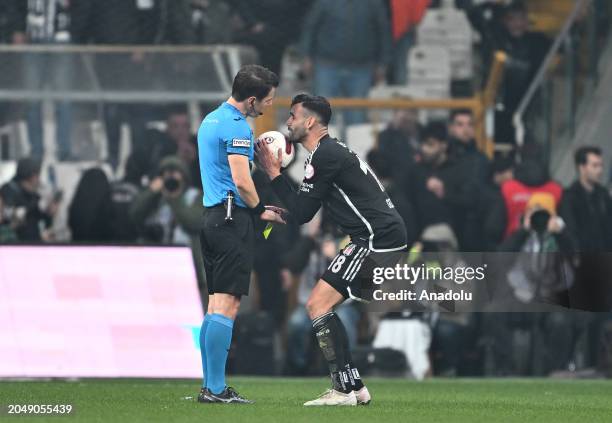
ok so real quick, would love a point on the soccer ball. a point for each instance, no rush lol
(275, 140)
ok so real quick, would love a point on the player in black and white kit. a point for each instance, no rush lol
(337, 178)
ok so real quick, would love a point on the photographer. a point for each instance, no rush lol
(169, 211)
(21, 204)
(538, 275)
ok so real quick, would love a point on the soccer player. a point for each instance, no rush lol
(358, 203)
(226, 145)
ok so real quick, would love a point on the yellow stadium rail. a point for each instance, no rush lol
(480, 104)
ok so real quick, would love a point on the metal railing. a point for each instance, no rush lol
(568, 74)
(108, 73)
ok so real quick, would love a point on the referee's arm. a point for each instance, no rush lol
(241, 174)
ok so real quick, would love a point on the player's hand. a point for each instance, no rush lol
(267, 161)
(270, 216)
(157, 184)
(278, 210)
(436, 186)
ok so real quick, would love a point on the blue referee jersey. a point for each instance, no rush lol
(224, 131)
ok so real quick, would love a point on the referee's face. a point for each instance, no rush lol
(257, 107)
(296, 124)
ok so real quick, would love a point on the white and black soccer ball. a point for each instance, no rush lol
(275, 140)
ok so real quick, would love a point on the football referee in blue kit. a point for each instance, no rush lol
(226, 147)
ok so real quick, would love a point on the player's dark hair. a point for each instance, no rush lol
(316, 104)
(435, 130)
(253, 81)
(582, 153)
(459, 112)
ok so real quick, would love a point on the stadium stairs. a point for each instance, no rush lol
(594, 125)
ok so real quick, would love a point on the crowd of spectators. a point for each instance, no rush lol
(450, 195)
(343, 54)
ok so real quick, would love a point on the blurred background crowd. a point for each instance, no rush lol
(452, 195)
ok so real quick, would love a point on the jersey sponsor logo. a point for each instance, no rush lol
(305, 187)
(309, 171)
(349, 250)
(238, 142)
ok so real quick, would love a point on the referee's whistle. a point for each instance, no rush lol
(229, 206)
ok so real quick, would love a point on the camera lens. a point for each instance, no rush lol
(171, 184)
(539, 220)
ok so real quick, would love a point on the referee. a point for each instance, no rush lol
(226, 146)
(356, 201)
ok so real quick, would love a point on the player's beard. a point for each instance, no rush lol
(297, 135)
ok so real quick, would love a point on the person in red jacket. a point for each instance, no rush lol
(405, 16)
(530, 177)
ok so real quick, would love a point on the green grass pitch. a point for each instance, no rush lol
(280, 400)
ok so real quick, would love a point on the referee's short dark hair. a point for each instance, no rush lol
(253, 81)
(582, 153)
(316, 104)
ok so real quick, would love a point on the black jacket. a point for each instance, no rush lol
(121, 22)
(480, 162)
(15, 197)
(588, 216)
(460, 194)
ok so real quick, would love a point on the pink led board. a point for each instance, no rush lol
(89, 311)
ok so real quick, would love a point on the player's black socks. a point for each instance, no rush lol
(354, 377)
(333, 341)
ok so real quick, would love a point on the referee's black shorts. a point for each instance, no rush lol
(351, 271)
(227, 250)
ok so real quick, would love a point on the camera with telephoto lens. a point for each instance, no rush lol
(539, 221)
(171, 184)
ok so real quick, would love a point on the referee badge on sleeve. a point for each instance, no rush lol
(238, 142)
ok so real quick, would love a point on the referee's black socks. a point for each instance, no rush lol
(333, 341)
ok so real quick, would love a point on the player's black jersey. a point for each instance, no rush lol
(353, 195)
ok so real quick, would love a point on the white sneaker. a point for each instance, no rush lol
(333, 397)
(363, 396)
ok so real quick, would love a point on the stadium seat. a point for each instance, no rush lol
(449, 29)
(362, 137)
(7, 171)
(429, 68)
(13, 141)
(412, 337)
(67, 176)
(418, 91)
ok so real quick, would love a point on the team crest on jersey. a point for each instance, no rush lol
(308, 171)
(237, 142)
(349, 250)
